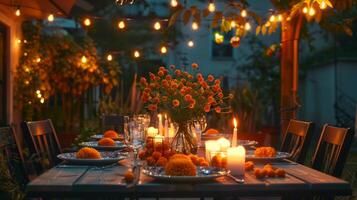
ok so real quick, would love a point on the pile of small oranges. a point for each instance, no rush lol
(267, 171)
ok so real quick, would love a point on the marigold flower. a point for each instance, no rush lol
(157, 78)
(165, 83)
(160, 73)
(217, 82)
(188, 97)
(217, 109)
(220, 95)
(174, 86)
(152, 107)
(168, 77)
(199, 75)
(162, 68)
(210, 99)
(164, 98)
(178, 72)
(156, 100)
(143, 81)
(152, 76)
(176, 103)
(210, 78)
(194, 65)
(207, 108)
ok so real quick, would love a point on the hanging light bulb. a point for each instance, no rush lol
(272, 18)
(312, 11)
(304, 10)
(211, 7)
(18, 41)
(218, 38)
(243, 13)
(38, 92)
(280, 18)
(323, 5)
(163, 50)
(109, 57)
(87, 22)
(38, 60)
(247, 26)
(121, 24)
(157, 26)
(136, 54)
(39, 95)
(18, 11)
(174, 3)
(190, 43)
(84, 59)
(42, 100)
(194, 26)
(233, 24)
(51, 17)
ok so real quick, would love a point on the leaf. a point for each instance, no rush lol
(257, 30)
(186, 16)
(217, 16)
(174, 17)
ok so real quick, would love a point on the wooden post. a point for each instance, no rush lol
(290, 36)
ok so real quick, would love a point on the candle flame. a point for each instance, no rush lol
(159, 116)
(235, 122)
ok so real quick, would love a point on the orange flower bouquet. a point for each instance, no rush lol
(185, 97)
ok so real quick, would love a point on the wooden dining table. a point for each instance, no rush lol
(92, 182)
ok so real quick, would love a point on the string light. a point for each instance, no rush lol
(311, 11)
(38, 92)
(18, 41)
(211, 7)
(194, 26)
(233, 24)
(136, 54)
(280, 18)
(121, 24)
(163, 50)
(38, 60)
(190, 43)
(87, 22)
(157, 26)
(323, 5)
(174, 3)
(42, 100)
(109, 57)
(51, 17)
(247, 26)
(39, 95)
(272, 18)
(84, 59)
(243, 13)
(304, 10)
(18, 11)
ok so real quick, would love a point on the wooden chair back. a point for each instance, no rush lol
(115, 122)
(12, 156)
(43, 142)
(332, 150)
(297, 139)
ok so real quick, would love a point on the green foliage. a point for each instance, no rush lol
(9, 187)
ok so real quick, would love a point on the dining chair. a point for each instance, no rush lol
(43, 143)
(12, 156)
(297, 139)
(115, 122)
(332, 150)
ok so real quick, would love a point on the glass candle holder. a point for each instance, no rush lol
(218, 159)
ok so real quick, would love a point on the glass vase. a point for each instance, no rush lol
(184, 141)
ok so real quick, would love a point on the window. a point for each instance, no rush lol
(224, 50)
(3, 35)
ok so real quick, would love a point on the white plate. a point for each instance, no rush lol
(100, 136)
(107, 158)
(94, 144)
(279, 156)
(158, 173)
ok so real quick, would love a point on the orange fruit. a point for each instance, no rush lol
(129, 176)
(280, 173)
(212, 131)
(111, 134)
(106, 142)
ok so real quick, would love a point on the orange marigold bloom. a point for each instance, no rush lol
(106, 142)
(168, 77)
(164, 98)
(157, 78)
(147, 90)
(162, 68)
(165, 83)
(176, 103)
(217, 82)
(88, 153)
(161, 73)
(152, 107)
(178, 72)
(143, 81)
(207, 108)
(210, 78)
(210, 99)
(174, 86)
(156, 100)
(194, 65)
(152, 76)
(217, 109)
(192, 105)
(111, 134)
(188, 97)
(220, 95)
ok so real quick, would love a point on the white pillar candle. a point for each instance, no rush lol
(152, 132)
(224, 144)
(236, 160)
(160, 124)
(211, 146)
(172, 131)
(158, 141)
(235, 136)
(166, 127)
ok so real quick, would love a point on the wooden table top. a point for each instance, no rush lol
(88, 181)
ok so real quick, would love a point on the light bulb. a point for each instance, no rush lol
(163, 50)
(18, 12)
(243, 13)
(304, 10)
(39, 95)
(190, 43)
(157, 26)
(211, 7)
(136, 54)
(194, 26)
(51, 17)
(18, 41)
(247, 26)
(174, 3)
(38, 92)
(109, 57)
(233, 24)
(121, 24)
(87, 22)
(323, 5)
(280, 18)
(38, 60)
(312, 11)
(267, 24)
(42, 100)
(272, 18)
(84, 59)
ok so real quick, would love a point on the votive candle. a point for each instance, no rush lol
(236, 160)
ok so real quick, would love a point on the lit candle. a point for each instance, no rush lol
(152, 132)
(236, 160)
(166, 127)
(171, 131)
(224, 144)
(235, 130)
(160, 124)
(211, 146)
(158, 140)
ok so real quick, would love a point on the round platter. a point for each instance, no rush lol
(279, 156)
(100, 136)
(94, 144)
(107, 158)
(203, 174)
